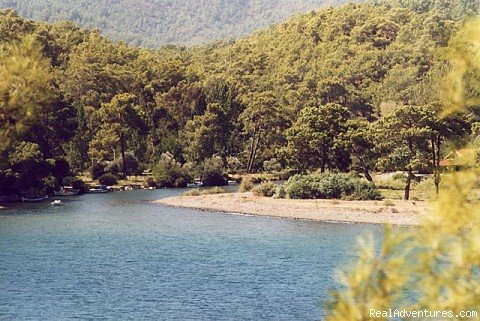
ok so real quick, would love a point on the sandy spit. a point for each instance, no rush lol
(366, 212)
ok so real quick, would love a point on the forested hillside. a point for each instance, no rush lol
(356, 88)
(151, 23)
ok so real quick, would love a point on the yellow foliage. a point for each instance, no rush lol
(24, 86)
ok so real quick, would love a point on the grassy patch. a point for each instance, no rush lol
(209, 191)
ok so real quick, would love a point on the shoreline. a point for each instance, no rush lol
(399, 213)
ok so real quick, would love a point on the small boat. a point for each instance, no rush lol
(99, 189)
(195, 185)
(66, 191)
(232, 182)
(34, 199)
(56, 203)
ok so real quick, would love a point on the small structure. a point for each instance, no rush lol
(458, 158)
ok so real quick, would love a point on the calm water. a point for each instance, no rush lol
(121, 257)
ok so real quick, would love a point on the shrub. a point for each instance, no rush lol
(330, 186)
(266, 189)
(150, 182)
(97, 170)
(210, 191)
(132, 165)
(76, 183)
(280, 192)
(211, 172)
(167, 172)
(272, 165)
(108, 179)
(246, 185)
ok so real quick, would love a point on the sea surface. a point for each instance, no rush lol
(121, 257)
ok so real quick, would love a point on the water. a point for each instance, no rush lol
(120, 257)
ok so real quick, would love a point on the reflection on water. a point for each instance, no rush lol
(120, 257)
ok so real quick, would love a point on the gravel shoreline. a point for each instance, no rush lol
(367, 212)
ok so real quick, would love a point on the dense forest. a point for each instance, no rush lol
(150, 23)
(349, 89)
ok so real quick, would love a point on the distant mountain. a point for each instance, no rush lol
(151, 23)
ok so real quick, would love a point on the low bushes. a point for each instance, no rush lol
(246, 185)
(108, 179)
(210, 191)
(266, 189)
(330, 186)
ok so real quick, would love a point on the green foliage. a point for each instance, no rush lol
(108, 179)
(167, 172)
(75, 182)
(211, 172)
(315, 140)
(313, 92)
(266, 189)
(330, 186)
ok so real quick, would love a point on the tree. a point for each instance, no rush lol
(402, 137)
(24, 87)
(359, 137)
(315, 136)
(120, 119)
(261, 121)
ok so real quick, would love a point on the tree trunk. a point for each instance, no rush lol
(124, 162)
(408, 184)
(367, 175)
(323, 164)
(436, 145)
(254, 151)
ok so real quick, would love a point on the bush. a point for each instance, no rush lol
(280, 192)
(76, 183)
(132, 165)
(211, 172)
(150, 182)
(330, 186)
(266, 189)
(108, 179)
(246, 185)
(167, 172)
(97, 170)
(272, 166)
(210, 191)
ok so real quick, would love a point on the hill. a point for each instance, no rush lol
(151, 23)
(339, 89)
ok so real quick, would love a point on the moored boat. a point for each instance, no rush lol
(195, 184)
(99, 189)
(34, 199)
(66, 191)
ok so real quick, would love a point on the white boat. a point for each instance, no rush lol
(34, 199)
(66, 191)
(100, 189)
(232, 182)
(56, 203)
(195, 185)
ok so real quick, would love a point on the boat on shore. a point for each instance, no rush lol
(99, 189)
(66, 191)
(34, 199)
